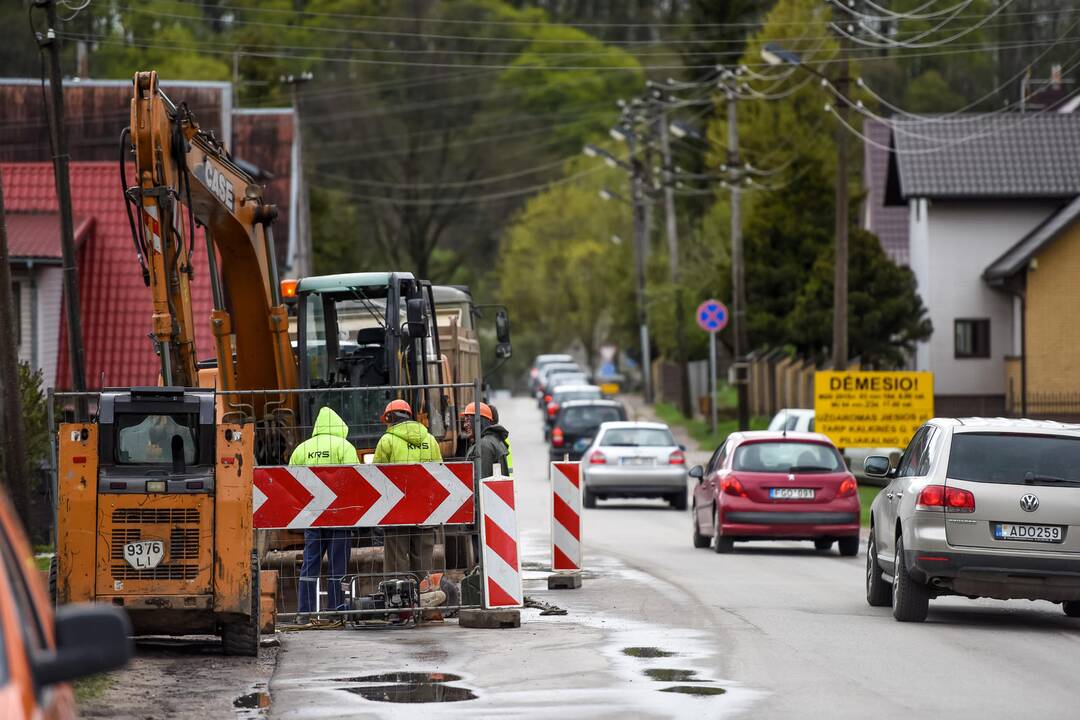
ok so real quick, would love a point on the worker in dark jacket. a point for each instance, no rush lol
(491, 446)
(328, 445)
(506, 441)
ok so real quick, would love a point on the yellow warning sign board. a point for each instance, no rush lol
(872, 409)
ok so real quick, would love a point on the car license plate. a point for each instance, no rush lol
(144, 554)
(1028, 533)
(791, 493)
(637, 461)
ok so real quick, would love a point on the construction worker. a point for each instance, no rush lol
(328, 445)
(406, 550)
(506, 441)
(491, 445)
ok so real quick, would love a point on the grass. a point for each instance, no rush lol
(42, 563)
(867, 493)
(91, 688)
(698, 429)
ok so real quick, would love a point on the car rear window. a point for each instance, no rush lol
(787, 456)
(1014, 458)
(638, 437)
(578, 395)
(589, 416)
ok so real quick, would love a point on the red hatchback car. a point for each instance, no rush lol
(776, 486)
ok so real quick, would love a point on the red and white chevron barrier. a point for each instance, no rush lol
(296, 497)
(499, 539)
(566, 516)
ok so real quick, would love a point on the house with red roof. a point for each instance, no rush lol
(116, 306)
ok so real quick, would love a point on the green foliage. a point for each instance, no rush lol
(929, 93)
(560, 274)
(35, 422)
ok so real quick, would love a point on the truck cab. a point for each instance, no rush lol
(364, 339)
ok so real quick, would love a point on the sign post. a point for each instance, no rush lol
(712, 317)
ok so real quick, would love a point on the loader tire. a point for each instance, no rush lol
(52, 580)
(242, 637)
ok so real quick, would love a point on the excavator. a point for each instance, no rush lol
(154, 509)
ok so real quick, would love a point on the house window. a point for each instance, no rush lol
(973, 338)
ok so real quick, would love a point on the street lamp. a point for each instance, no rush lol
(775, 55)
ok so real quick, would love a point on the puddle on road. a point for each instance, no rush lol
(694, 690)
(647, 652)
(252, 705)
(402, 677)
(413, 693)
(673, 675)
(408, 687)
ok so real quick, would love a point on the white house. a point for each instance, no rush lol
(974, 185)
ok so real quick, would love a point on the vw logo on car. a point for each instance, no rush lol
(1029, 502)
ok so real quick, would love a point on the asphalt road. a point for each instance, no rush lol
(783, 630)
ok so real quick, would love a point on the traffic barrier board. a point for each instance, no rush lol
(499, 539)
(712, 316)
(296, 497)
(566, 516)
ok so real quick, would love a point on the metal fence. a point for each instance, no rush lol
(393, 575)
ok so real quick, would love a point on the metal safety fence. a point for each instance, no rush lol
(363, 545)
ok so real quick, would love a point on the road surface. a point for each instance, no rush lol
(784, 631)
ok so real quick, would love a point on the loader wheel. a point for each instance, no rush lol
(242, 637)
(52, 580)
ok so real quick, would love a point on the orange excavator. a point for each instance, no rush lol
(155, 497)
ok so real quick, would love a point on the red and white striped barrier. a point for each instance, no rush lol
(566, 516)
(296, 497)
(499, 539)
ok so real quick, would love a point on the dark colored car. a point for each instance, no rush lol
(566, 393)
(546, 372)
(776, 486)
(579, 420)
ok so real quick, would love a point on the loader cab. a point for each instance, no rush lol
(364, 339)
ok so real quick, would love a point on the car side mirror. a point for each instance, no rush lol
(90, 639)
(697, 472)
(503, 347)
(877, 466)
(682, 447)
(416, 318)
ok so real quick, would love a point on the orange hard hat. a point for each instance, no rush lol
(396, 406)
(485, 411)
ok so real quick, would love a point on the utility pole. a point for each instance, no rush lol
(738, 263)
(14, 440)
(840, 277)
(673, 266)
(63, 194)
(299, 257)
(641, 246)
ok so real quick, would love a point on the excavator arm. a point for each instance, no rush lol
(185, 176)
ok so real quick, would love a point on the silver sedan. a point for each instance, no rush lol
(634, 459)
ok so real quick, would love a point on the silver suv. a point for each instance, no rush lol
(977, 507)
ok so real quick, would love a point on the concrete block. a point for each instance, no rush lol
(489, 619)
(564, 581)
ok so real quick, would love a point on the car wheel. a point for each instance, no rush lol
(720, 544)
(678, 501)
(52, 580)
(1071, 608)
(849, 546)
(878, 592)
(910, 600)
(700, 541)
(589, 499)
(822, 544)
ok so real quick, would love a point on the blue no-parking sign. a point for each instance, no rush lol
(712, 316)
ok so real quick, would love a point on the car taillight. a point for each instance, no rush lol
(553, 408)
(847, 487)
(547, 398)
(949, 499)
(677, 458)
(557, 437)
(597, 458)
(732, 486)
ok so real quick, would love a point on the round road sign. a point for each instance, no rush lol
(712, 316)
